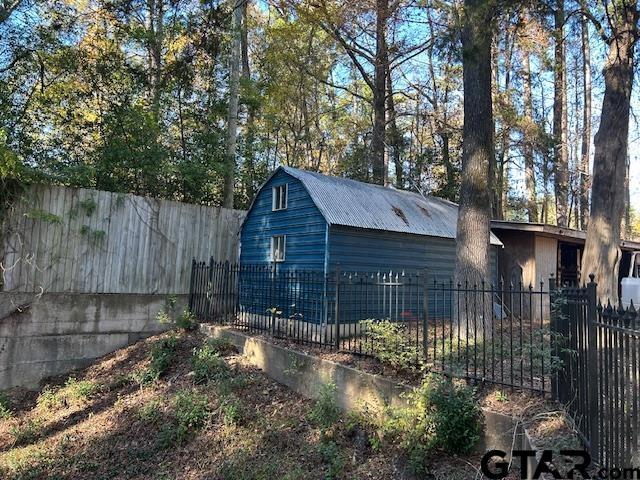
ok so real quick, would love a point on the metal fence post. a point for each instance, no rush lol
(425, 315)
(211, 299)
(553, 325)
(592, 368)
(337, 309)
(191, 284)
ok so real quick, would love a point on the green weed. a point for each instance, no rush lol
(325, 411)
(162, 354)
(26, 432)
(208, 364)
(5, 407)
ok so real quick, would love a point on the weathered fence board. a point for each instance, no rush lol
(58, 239)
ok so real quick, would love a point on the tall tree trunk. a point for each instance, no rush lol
(395, 139)
(602, 248)
(502, 180)
(156, 32)
(586, 125)
(232, 119)
(529, 166)
(379, 92)
(561, 160)
(249, 153)
(474, 211)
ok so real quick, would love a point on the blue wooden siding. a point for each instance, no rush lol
(361, 250)
(372, 250)
(301, 222)
(305, 230)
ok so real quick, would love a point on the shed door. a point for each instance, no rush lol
(569, 263)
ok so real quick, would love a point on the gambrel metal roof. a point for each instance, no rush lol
(363, 205)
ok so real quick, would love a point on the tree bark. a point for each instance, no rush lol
(379, 92)
(586, 125)
(561, 161)
(602, 248)
(232, 119)
(395, 139)
(156, 33)
(474, 211)
(249, 152)
(502, 180)
(529, 166)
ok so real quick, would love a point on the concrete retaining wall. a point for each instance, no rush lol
(306, 374)
(53, 333)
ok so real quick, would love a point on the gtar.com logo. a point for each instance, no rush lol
(495, 466)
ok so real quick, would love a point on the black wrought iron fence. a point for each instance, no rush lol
(599, 381)
(555, 340)
(491, 333)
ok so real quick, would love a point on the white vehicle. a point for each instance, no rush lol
(631, 284)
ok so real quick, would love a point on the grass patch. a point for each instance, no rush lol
(73, 391)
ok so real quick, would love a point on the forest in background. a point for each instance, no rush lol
(199, 100)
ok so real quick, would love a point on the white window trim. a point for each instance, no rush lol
(284, 248)
(273, 197)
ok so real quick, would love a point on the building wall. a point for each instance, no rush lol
(301, 222)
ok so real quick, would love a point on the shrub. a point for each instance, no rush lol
(79, 390)
(441, 414)
(26, 432)
(232, 411)
(457, 418)
(5, 407)
(162, 355)
(325, 412)
(150, 412)
(186, 321)
(208, 364)
(222, 346)
(190, 412)
(330, 453)
(168, 315)
(50, 399)
(229, 384)
(389, 344)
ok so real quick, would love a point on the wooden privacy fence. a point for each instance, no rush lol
(58, 239)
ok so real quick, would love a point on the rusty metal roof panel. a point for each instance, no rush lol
(363, 205)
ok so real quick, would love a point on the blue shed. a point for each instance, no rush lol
(303, 220)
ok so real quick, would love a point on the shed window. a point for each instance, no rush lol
(278, 246)
(280, 194)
